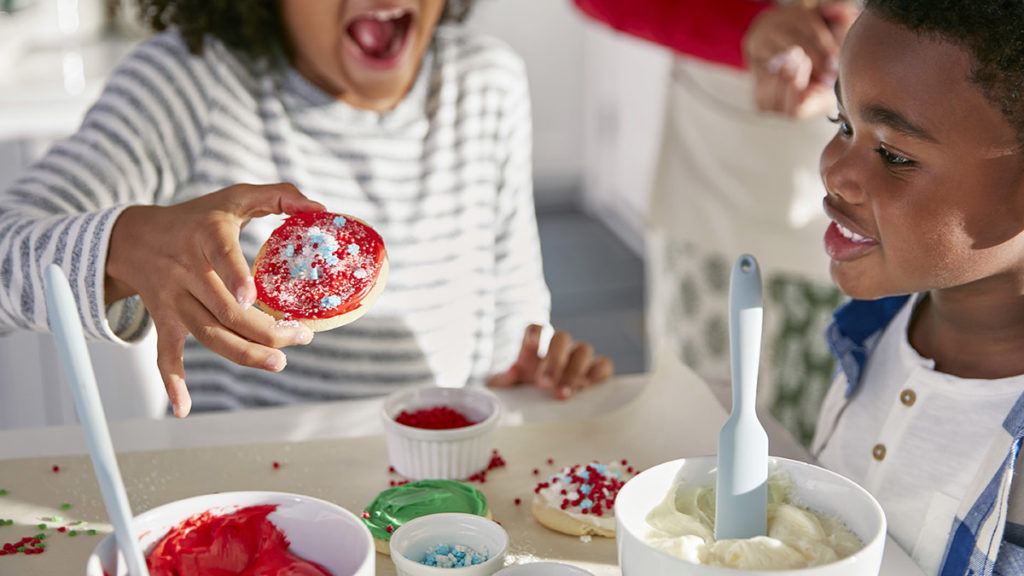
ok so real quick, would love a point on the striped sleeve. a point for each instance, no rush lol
(134, 146)
(522, 296)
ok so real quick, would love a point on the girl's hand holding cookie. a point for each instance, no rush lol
(186, 264)
(568, 366)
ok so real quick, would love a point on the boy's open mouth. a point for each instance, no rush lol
(380, 35)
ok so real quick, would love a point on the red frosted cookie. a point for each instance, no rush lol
(321, 269)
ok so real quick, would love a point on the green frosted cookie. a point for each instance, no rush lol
(399, 504)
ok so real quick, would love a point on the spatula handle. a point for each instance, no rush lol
(741, 501)
(67, 327)
(746, 311)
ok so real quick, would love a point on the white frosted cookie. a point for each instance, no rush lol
(579, 500)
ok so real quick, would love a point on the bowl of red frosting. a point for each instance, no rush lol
(245, 532)
(435, 432)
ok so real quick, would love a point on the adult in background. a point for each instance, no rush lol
(746, 118)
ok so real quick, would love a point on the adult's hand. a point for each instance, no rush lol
(792, 50)
(186, 264)
(785, 86)
(568, 366)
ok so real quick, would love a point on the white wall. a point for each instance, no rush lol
(597, 107)
(548, 34)
(625, 81)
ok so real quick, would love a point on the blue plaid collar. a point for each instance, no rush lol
(855, 327)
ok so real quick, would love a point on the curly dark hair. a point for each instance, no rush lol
(990, 30)
(252, 26)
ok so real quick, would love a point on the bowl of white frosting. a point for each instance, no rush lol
(819, 524)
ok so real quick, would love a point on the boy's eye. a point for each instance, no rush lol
(844, 126)
(892, 158)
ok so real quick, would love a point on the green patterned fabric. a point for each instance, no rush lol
(692, 292)
(800, 365)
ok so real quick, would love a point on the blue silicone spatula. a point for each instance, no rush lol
(67, 327)
(742, 490)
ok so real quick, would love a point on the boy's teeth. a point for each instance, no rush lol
(850, 234)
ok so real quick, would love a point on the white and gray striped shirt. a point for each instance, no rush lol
(445, 177)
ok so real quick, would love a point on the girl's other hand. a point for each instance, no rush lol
(567, 367)
(186, 264)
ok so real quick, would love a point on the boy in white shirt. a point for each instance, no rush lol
(925, 188)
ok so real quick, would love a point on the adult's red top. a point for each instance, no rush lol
(708, 29)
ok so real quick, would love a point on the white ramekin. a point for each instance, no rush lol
(413, 539)
(457, 453)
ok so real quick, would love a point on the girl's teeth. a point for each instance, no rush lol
(849, 234)
(384, 15)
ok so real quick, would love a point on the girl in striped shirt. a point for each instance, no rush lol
(384, 109)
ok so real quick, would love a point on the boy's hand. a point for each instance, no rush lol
(187, 265)
(568, 366)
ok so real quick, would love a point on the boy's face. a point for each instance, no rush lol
(365, 52)
(924, 175)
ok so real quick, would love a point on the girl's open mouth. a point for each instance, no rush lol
(381, 35)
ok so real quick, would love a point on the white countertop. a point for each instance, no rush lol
(205, 439)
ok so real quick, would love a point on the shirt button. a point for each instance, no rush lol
(878, 452)
(908, 397)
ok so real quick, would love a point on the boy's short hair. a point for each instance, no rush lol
(251, 26)
(991, 30)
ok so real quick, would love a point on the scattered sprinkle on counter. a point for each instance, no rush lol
(496, 462)
(27, 545)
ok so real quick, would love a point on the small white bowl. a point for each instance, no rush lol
(544, 569)
(455, 453)
(813, 487)
(317, 530)
(412, 540)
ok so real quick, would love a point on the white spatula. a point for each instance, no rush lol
(741, 505)
(67, 327)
